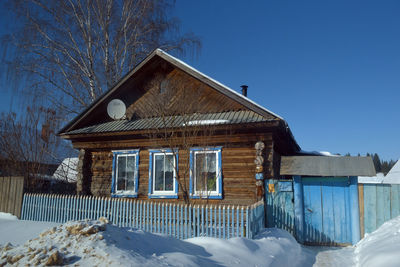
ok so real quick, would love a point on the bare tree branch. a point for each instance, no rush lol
(79, 48)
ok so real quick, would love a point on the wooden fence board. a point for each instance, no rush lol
(386, 203)
(11, 191)
(198, 220)
(380, 206)
(369, 208)
(395, 201)
(381, 203)
(361, 208)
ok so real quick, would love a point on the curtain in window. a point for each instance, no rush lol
(164, 172)
(126, 173)
(205, 172)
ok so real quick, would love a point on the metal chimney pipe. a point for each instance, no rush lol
(244, 90)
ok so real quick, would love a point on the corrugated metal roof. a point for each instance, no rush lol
(327, 166)
(231, 117)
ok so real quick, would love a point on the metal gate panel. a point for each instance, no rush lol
(327, 210)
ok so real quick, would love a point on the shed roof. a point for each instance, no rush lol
(231, 117)
(327, 166)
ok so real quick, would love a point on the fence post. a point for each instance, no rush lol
(210, 224)
(170, 219)
(223, 223)
(124, 213)
(41, 206)
(247, 223)
(101, 209)
(58, 210)
(198, 220)
(237, 221)
(89, 208)
(56, 205)
(73, 207)
(151, 217)
(141, 215)
(23, 207)
(177, 206)
(190, 222)
(215, 221)
(29, 207)
(45, 207)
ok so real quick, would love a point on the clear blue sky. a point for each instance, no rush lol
(330, 68)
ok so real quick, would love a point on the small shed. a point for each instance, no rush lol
(393, 176)
(324, 208)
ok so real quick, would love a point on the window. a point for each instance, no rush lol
(162, 174)
(125, 173)
(205, 173)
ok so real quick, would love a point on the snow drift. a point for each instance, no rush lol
(98, 243)
(381, 247)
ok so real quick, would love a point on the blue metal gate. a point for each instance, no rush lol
(326, 210)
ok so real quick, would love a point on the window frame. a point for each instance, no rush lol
(114, 184)
(217, 194)
(163, 194)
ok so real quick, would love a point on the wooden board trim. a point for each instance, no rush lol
(361, 208)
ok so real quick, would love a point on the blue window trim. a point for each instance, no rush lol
(192, 194)
(151, 158)
(114, 169)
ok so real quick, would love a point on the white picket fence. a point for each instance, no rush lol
(177, 220)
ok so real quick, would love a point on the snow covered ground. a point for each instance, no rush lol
(98, 243)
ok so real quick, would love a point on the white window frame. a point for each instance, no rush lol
(152, 168)
(217, 194)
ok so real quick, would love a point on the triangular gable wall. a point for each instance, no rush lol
(131, 90)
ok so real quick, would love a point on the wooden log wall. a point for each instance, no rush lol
(238, 167)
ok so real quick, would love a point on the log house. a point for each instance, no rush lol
(161, 153)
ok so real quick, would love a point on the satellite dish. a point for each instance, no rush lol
(116, 109)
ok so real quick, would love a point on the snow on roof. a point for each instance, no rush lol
(378, 179)
(318, 153)
(393, 176)
(67, 170)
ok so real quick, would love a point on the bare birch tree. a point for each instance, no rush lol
(73, 50)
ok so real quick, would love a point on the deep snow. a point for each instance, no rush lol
(97, 243)
(90, 243)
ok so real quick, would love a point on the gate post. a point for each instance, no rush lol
(298, 208)
(354, 210)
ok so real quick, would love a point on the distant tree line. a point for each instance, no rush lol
(380, 165)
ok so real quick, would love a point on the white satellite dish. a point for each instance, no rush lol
(116, 109)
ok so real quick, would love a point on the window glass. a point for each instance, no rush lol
(125, 173)
(159, 173)
(121, 173)
(163, 172)
(211, 163)
(130, 173)
(205, 171)
(169, 172)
